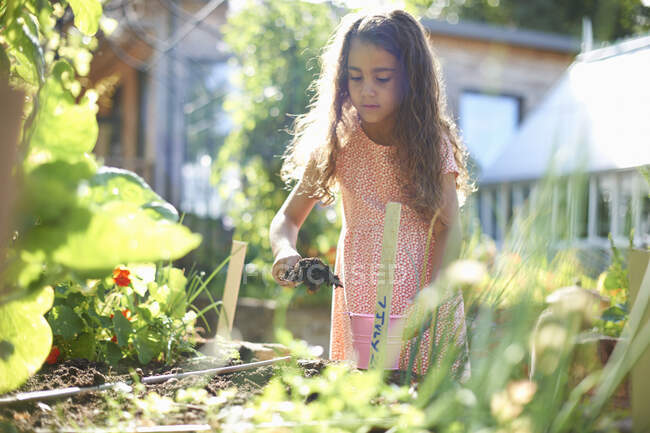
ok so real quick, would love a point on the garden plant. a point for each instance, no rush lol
(89, 294)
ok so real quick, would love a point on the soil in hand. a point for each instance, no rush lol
(313, 272)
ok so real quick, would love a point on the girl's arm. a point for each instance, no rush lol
(283, 232)
(446, 230)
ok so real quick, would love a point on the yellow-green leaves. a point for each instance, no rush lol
(119, 232)
(111, 184)
(25, 337)
(63, 129)
(86, 15)
(23, 45)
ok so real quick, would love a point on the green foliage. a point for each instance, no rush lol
(72, 221)
(612, 19)
(21, 352)
(276, 46)
(140, 314)
(63, 130)
(21, 34)
(497, 397)
(86, 15)
(615, 284)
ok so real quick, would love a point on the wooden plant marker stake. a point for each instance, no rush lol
(231, 290)
(640, 375)
(379, 337)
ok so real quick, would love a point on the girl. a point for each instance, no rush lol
(377, 131)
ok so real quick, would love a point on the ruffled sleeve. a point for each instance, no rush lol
(448, 161)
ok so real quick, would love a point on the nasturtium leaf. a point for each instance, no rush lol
(144, 313)
(24, 268)
(65, 321)
(112, 184)
(123, 329)
(62, 129)
(149, 310)
(171, 299)
(86, 15)
(162, 209)
(74, 299)
(147, 346)
(51, 188)
(25, 337)
(113, 353)
(175, 277)
(94, 318)
(83, 346)
(46, 21)
(22, 35)
(172, 295)
(121, 232)
(160, 292)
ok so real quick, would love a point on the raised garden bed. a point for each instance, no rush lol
(189, 400)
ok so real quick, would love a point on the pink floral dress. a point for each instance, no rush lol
(368, 179)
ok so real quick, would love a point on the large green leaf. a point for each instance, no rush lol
(83, 346)
(147, 346)
(120, 232)
(86, 15)
(22, 35)
(112, 184)
(25, 337)
(24, 269)
(65, 321)
(51, 188)
(63, 129)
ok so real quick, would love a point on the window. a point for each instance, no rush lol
(109, 121)
(207, 124)
(604, 193)
(487, 123)
(488, 213)
(206, 127)
(644, 227)
(625, 205)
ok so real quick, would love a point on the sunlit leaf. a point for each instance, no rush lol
(65, 321)
(116, 184)
(51, 188)
(120, 232)
(83, 346)
(22, 35)
(25, 337)
(62, 129)
(86, 15)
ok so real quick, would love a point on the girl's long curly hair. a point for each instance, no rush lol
(422, 120)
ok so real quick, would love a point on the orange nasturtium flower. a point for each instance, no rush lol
(126, 313)
(121, 277)
(53, 356)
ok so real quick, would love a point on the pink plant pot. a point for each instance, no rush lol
(362, 325)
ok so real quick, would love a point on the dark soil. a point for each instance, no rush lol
(91, 408)
(313, 272)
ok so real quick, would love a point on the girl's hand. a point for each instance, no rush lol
(285, 260)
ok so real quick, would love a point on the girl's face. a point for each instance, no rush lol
(373, 82)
